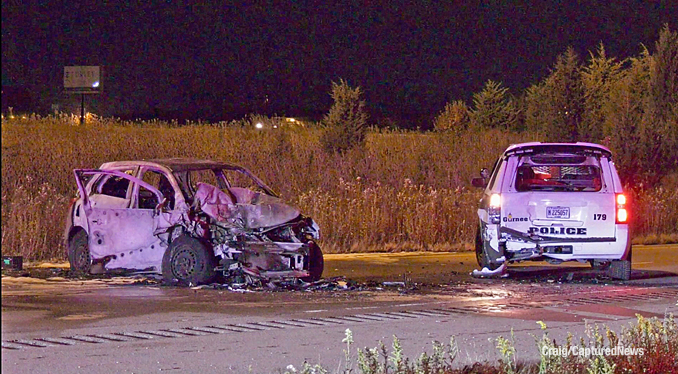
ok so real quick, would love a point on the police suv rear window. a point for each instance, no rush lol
(558, 172)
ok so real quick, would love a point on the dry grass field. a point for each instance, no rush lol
(403, 191)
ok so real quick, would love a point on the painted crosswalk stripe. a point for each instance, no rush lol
(206, 329)
(165, 334)
(186, 332)
(33, 343)
(138, 335)
(88, 339)
(61, 341)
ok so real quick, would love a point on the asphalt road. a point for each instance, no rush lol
(122, 325)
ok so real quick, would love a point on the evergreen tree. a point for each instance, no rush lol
(565, 97)
(346, 122)
(641, 115)
(493, 108)
(660, 135)
(664, 76)
(624, 112)
(537, 108)
(597, 78)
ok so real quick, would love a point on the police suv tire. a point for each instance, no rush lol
(600, 265)
(315, 263)
(620, 269)
(485, 260)
(188, 261)
(78, 253)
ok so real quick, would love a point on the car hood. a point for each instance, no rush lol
(240, 206)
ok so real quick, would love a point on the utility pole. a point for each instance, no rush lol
(82, 109)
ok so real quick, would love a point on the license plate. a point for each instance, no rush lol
(557, 212)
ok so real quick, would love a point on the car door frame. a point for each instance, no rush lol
(119, 236)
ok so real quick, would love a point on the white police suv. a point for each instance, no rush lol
(555, 202)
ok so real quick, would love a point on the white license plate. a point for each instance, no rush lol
(557, 212)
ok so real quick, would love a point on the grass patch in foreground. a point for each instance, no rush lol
(648, 346)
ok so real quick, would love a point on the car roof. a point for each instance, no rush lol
(176, 164)
(541, 147)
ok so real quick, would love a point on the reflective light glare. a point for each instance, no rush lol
(95, 84)
(622, 215)
(621, 199)
(259, 125)
(495, 200)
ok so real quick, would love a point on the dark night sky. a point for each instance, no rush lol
(220, 61)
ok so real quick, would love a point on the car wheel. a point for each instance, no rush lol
(314, 263)
(485, 259)
(188, 261)
(620, 269)
(78, 253)
(600, 265)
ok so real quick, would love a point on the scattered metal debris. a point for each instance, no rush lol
(499, 272)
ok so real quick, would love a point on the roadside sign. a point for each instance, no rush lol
(82, 79)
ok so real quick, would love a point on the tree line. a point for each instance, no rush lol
(629, 105)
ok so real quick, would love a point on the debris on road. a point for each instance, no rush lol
(499, 272)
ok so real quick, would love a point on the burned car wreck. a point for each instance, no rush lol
(193, 221)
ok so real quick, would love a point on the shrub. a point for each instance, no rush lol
(454, 118)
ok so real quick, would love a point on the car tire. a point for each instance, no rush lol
(620, 269)
(315, 263)
(485, 259)
(188, 261)
(78, 253)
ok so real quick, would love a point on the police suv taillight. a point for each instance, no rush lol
(494, 210)
(622, 214)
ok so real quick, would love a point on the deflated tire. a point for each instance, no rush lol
(188, 261)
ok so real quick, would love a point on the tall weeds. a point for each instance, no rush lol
(402, 191)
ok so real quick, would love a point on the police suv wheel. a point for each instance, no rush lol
(485, 259)
(620, 269)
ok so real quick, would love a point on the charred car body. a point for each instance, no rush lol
(555, 202)
(190, 220)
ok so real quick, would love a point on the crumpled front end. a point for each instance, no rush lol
(256, 237)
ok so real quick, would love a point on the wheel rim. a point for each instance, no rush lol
(184, 264)
(82, 258)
